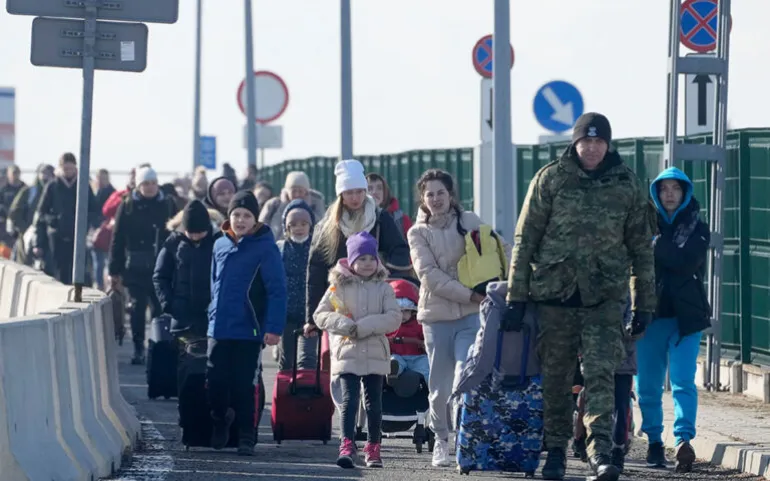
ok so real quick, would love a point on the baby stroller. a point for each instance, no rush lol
(404, 405)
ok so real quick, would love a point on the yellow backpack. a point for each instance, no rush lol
(484, 260)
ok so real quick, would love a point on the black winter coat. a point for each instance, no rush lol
(679, 272)
(182, 279)
(393, 249)
(56, 212)
(140, 230)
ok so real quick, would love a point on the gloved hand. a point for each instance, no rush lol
(513, 317)
(639, 323)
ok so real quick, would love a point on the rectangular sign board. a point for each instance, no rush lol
(487, 110)
(7, 126)
(208, 152)
(59, 43)
(700, 93)
(268, 136)
(151, 11)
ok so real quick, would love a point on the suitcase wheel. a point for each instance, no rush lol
(529, 474)
(166, 397)
(325, 441)
(464, 470)
(187, 448)
(431, 440)
(418, 447)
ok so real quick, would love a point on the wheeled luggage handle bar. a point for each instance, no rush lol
(297, 333)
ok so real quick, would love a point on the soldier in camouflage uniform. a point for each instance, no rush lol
(582, 232)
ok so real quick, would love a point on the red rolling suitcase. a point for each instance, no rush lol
(302, 404)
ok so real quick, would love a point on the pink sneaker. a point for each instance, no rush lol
(372, 455)
(347, 456)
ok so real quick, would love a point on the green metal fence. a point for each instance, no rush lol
(746, 272)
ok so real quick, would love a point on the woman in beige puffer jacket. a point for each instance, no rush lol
(358, 309)
(448, 311)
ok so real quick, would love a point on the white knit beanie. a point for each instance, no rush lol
(350, 176)
(297, 179)
(145, 174)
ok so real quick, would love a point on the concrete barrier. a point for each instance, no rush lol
(62, 417)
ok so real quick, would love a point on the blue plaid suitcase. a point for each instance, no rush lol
(501, 421)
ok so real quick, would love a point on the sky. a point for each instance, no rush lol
(414, 86)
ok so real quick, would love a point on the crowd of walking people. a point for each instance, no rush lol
(613, 273)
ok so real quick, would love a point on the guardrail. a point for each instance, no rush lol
(62, 416)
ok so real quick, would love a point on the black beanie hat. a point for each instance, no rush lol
(195, 217)
(592, 124)
(244, 199)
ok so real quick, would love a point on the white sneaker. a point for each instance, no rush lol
(441, 454)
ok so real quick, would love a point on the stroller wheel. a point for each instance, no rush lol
(418, 447)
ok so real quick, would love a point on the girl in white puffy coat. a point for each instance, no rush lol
(358, 310)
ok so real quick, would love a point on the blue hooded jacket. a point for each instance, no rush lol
(680, 255)
(248, 287)
(681, 177)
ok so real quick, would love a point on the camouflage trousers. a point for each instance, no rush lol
(596, 333)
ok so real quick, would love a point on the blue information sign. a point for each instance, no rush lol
(208, 152)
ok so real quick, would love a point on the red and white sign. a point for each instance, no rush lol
(7, 126)
(272, 96)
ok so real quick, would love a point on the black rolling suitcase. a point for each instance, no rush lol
(162, 353)
(194, 411)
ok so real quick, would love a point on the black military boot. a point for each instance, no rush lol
(603, 469)
(618, 458)
(555, 467)
(220, 433)
(656, 455)
(685, 456)
(138, 358)
(246, 442)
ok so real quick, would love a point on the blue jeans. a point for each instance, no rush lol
(99, 259)
(447, 343)
(662, 347)
(418, 364)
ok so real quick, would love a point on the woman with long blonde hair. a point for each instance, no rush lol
(352, 212)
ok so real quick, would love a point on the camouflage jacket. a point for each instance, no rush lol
(584, 231)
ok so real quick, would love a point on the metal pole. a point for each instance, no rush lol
(717, 199)
(672, 88)
(346, 81)
(197, 121)
(81, 204)
(251, 103)
(506, 210)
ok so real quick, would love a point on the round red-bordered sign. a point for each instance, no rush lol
(699, 17)
(482, 54)
(272, 96)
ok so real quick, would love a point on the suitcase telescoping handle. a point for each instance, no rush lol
(526, 337)
(297, 334)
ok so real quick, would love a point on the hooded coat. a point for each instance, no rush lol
(681, 249)
(295, 257)
(272, 212)
(373, 312)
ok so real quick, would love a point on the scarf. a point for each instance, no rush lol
(361, 221)
(686, 227)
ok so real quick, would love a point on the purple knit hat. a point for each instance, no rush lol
(361, 244)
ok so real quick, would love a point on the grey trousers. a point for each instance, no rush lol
(447, 344)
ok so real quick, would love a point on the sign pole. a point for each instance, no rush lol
(251, 108)
(346, 81)
(81, 203)
(197, 120)
(506, 210)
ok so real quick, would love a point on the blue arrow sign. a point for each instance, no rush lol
(557, 105)
(208, 152)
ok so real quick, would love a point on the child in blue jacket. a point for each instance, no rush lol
(248, 308)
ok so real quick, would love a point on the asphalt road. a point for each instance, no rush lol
(163, 458)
